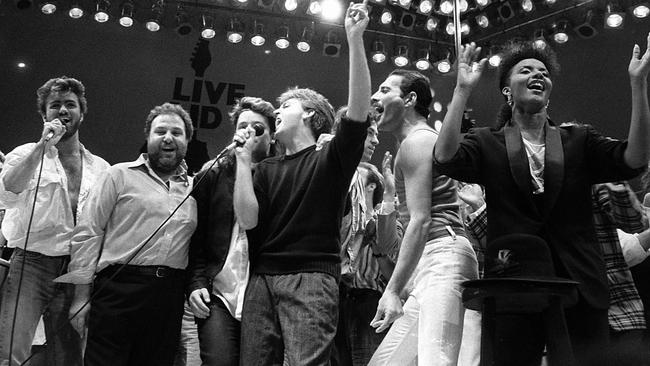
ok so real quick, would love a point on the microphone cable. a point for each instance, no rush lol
(258, 132)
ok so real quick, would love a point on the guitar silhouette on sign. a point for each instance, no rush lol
(201, 57)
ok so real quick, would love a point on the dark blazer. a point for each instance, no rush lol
(215, 219)
(576, 157)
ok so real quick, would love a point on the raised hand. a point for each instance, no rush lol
(640, 64)
(389, 177)
(469, 69)
(356, 19)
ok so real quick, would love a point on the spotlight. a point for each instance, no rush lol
(153, 24)
(314, 8)
(423, 62)
(407, 21)
(494, 60)
(265, 4)
(527, 5)
(234, 31)
(240, 3)
(560, 34)
(282, 42)
(444, 65)
(378, 52)
(101, 11)
(431, 24)
(332, 10)
(464, 28)
(482, 3)
(386, 17)
(446, 7)
(207, 24)
(23, 4)
(482, 20)
(451, 29)
(539, 39)
(304, 45)
(614, 16)
(76, 11)
(401, 3)
(401, 57)
(550, 2)
(586, 30)
(640, 10)
(378, 2)
(183, 25)
(437, 106)
(290, 5)
(48, 7)
(425, 7)
(505, 12)
(258, 38)
(332, 45)
(126, 14)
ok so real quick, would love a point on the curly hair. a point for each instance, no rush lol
(254, 104)
(61, 84)
(167, 109)
(323, 118)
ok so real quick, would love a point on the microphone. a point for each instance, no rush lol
(49, 136)
(259, 131)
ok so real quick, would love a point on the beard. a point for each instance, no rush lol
(165, 165)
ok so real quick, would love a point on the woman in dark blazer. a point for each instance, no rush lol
(537, 179)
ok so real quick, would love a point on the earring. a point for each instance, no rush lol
(509, 100)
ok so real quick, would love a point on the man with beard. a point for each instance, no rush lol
(43, 244)
(133, 237)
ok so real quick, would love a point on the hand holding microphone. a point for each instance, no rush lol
(52, 129)
(241, 136)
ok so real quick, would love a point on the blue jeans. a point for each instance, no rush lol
(188, 345)
(219, 336)
(292, 315)
(38, 296)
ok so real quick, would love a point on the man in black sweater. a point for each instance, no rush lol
(293, 209)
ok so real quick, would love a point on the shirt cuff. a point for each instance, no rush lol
(387, 208)
(474, 214)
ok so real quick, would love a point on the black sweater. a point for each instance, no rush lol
(301, 199)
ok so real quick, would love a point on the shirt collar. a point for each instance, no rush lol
(143, 160)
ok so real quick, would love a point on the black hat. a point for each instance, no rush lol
(518, 267)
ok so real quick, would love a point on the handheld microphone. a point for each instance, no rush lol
(49, 136)
(259, 131)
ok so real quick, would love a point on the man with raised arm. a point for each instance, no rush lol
(293, 210)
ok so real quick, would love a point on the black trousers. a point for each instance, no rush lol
(135, 319)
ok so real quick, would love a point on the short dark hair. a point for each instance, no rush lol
(323, 117)
(61, 84)
(518, 50)
(413, 81)
(166, 109)
(374, 177)
(253, 104)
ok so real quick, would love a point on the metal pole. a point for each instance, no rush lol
(457, 32)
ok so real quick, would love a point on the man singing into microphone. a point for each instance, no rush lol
(68, 173)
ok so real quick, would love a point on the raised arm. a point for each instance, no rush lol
(469, 72)
(637, 153)
(244, 200)
(414, 160)
(356, 21)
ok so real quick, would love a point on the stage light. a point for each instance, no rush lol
(207, 27)
(431, 24)
(304, 45)
(527, 5)
(423, 62)
(258, 38)
(407, 21)
(48, 7)
(290, 5)
(282, 42)
(444, 65)
(614, 16)
(153, 24)
(126, 14)
(425, 7)
(482, 20)
(482, 3)
(23, 4)
(505, 12)
(314, 8)
(183, 25)
(265, 4)
(446, 7)
(386, 17)
(640, 10)
(539, 39)
(76, 11)
(560, 34)
(405, 4)
(234, 31)
(101, 11)
(332, 44)
(437, 106)
(494, 60)
(464, 28)
(378, 53)
(21, 65)
(586, 30)
(450, 28)
(401, 57)
(550, 2)
(332, 10)
(378, 2)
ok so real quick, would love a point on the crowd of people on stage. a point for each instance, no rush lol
(291, 248)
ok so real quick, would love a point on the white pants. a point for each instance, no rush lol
(430, 331)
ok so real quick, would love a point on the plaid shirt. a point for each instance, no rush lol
(614, 206)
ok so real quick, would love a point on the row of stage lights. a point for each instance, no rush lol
(331, 9)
